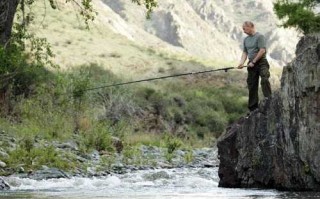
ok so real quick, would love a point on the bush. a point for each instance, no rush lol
(31, 157)
(98, 137)
(171, 143)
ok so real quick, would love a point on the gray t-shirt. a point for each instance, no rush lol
(253, 43)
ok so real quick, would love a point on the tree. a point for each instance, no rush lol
(299, 14)
(14, 58)
(7, 11)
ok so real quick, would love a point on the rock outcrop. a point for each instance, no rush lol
(278, 145)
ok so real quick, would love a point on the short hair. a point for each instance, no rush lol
(248, 23)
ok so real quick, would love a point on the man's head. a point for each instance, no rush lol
(248, 28)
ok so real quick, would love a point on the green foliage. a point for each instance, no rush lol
(98, 137)
(132, 155)
(106, 162)
(136, 114)
(22, 64)
(31, 157)
(206, 109)
(299, 14)
(171, 143)
(80, 82)
(188, 157)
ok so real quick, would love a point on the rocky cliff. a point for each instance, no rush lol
(278, 146)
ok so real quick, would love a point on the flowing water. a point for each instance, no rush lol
(183, 183)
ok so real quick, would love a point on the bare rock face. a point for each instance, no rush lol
(278, 146)
(210, 29)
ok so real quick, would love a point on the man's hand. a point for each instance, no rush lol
(240, 66)
(251, 65)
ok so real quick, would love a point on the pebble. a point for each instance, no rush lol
(2, 164)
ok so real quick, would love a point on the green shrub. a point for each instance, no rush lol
(98, 137)
(188, 157)
(299, 14)
(31, 157)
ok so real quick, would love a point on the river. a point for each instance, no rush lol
(198, 183)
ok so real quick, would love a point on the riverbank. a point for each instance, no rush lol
(50, 127)
(77, 163)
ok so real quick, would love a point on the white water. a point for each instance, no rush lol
(176, 183)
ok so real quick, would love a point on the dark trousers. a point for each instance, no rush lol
(260, 69)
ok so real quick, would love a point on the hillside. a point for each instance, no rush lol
(121, 38)
(211, 29)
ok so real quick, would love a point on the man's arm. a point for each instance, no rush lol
(243, 59)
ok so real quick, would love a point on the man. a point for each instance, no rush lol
(254, 48)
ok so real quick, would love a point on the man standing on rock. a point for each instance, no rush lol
(254, 48)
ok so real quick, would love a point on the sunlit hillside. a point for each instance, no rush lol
(75, 45)
(123, 40)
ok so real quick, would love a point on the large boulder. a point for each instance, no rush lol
(278, 145)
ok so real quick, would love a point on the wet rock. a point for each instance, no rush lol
(95, 156)
(3, 185)
(118, 167)
(81, 159)
(48, 173)
(68, 145)
(157, 176)
(180, 153)
(44, 167)
(278, 145)
(208, 165)
(91, 171)
(201, 153)
(164, 165)
(21, 170)
(7, 141)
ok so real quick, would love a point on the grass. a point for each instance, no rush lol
(139, 138)
(163, 106)
(29, 157)
(178, 113)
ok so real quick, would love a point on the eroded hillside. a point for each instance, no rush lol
(122, 39)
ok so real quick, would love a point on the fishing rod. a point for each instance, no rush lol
(158, 78)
